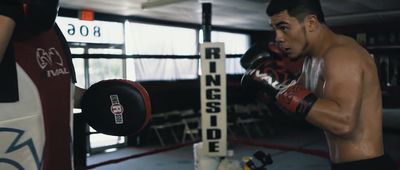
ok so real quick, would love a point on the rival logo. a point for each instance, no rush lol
(51, 61)
(117, 109)
(271, 78)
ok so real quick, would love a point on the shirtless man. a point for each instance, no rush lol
(337, 91)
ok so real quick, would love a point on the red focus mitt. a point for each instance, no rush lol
(116, 107)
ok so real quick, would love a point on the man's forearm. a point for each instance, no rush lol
(330, 116)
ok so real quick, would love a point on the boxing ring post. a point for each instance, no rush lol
(206, 21)
(213, 99)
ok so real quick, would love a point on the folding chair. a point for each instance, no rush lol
(192, 125)
(167, 120)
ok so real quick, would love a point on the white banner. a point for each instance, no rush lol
(102, 32)
(213, 99)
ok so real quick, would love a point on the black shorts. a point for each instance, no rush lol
(379, 163)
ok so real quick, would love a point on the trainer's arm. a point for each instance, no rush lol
(77, 97)
(338, 110)
(6, 29)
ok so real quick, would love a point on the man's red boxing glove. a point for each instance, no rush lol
(296, 99)
(265, 74)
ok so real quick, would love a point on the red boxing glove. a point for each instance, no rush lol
(296, 99)
(276, 81)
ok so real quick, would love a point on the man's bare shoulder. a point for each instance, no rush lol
(345, 59)
(345, 52)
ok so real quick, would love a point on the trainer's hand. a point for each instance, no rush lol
(265, 74)
(78, 96)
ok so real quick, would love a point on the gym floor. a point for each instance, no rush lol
(292, 146)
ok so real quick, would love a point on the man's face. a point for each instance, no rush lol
(289, 34)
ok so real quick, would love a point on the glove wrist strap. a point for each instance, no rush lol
(297, 99)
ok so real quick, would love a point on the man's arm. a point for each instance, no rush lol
(338, 110)
(7, 26)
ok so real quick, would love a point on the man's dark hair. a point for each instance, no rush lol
(297, 8)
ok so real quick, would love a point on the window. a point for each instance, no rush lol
(159, 40)
(232, 66)
(100, 32)
(148, 39)
(235, 43)
(95, 37)
(161, 69)
(104, 69)
(79, 71)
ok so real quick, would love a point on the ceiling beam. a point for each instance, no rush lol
(395, 13)
(158, 3)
